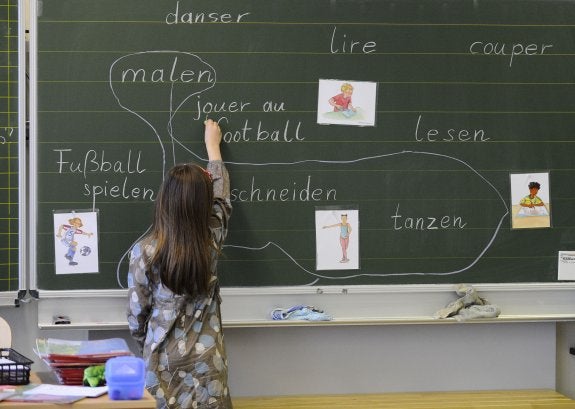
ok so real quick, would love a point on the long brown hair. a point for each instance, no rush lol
(183, 242)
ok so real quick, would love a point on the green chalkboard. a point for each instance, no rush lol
(9, 157)
(467, 94)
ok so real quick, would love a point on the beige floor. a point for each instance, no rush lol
(519, 399)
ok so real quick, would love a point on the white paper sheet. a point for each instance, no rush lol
(67, 390)
(566, 267)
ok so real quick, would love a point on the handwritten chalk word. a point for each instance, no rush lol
(341, 44)
(247, 133)
(5, 134)
(449, 135)
(206, 108)
(426, 223)
(484, 48)
(270, 106)
(95, 162)
(202, 17)
(276, 135)
(158, 75)
(294, 193)
(119, 191)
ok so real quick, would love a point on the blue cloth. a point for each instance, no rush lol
(300, 312)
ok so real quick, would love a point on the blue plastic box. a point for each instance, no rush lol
(125, 377)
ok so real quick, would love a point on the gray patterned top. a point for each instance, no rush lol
(181, 338)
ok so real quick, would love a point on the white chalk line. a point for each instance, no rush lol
(317, 276)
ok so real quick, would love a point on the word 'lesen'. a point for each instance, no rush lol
(430, 134)
(191, 17)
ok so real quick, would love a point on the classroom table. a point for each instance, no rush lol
(101, 402)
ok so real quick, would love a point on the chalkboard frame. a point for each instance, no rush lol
(250, 306)
(354, 305)
(13, 297)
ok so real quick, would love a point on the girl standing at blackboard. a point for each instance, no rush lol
(174, 304)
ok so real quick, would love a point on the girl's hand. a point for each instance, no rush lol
(213, 138)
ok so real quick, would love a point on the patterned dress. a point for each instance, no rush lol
(181, 338)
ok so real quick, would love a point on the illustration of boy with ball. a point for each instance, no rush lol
(70, 230)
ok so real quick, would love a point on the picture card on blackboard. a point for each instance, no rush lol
(337, 239)
(346, 102)
(76, 242)
(530, 200)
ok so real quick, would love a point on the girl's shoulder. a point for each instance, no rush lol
(144, 247)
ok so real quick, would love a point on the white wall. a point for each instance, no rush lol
(566, 361)
(24, 324)
(365, 359)
(374, 359)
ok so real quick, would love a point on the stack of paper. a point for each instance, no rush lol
(68, 359)
(53, 393)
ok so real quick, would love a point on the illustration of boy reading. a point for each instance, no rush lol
(342, 102)
(344, 232)
(532, 205)
(68, 240)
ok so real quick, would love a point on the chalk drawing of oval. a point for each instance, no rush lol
(151, 82)
(417, 201)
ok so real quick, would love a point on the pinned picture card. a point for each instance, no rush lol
(345, 102)
(76, 242)
(337, 239)
(530, 200)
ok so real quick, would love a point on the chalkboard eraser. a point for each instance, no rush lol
(61, 320)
